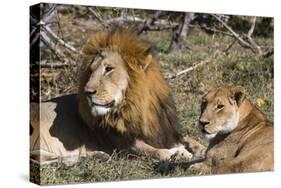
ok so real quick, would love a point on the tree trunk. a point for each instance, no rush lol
(180, 32)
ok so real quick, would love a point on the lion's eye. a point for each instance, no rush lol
(220, 106)
(108, 70)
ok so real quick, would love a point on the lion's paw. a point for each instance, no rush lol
(164, 154)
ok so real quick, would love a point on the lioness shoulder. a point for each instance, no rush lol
(241, 137)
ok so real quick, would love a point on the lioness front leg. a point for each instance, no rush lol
(163, 154)
(196, 148)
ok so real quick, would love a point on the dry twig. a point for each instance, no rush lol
(192, 68)
(54, 65)
(206, 61)
(49, 43)
(99, 17)
(249, 37)
(229, 46)
(57, 38)
(240, 39)
(249, 42)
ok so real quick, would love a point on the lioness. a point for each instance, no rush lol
(241, 137)
(123, 103)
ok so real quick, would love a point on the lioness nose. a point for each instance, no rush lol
(203, 122)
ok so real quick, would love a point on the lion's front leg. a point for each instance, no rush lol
(163, 154)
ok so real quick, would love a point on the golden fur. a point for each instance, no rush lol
(147, 110)
(144, 121)
(242, 145)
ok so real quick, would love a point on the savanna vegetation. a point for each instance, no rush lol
(191, 48)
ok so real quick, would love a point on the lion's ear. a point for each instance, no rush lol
(204, 88)
(141, 66)
(237, 94)
(148, 60)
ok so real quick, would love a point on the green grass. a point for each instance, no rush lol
(239, 67)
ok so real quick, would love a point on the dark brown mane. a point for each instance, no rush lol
(148, 111)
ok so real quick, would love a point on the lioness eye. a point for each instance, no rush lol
(204, 104)
(220, 106)
(108, 70)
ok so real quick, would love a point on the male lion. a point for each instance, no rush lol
(241, 137)
(123, 103)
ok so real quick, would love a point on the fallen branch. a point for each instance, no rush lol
(124, 19)
(99, 17)
(249, 37)
(52, 46)
(47, 12)
(54, 65)
(249, 42)
(152, 23)
(240, 39)
(192, 68)
(229, 46)
(145, 25)
(268, 53)
(204, 62)
(206, 28)
(34, 36)
(57, 38)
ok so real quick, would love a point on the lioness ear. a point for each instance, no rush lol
(204, 88)
(237, 94)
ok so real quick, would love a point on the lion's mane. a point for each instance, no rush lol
(148, 111)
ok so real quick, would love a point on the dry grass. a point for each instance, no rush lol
(239, 66)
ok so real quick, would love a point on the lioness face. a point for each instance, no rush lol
(107, 83)
(219, 112)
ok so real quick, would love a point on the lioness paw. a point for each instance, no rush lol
(180, 153)
(176, 153)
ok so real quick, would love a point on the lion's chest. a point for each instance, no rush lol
(223, 150)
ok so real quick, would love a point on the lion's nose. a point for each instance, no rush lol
(203, 122)
(90, 92)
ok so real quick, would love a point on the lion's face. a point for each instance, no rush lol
(219, 111)
(106, 83)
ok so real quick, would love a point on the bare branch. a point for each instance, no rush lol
(248, 42)
(242, 42)
(151, 24)
(249, 37)
(251, 30)
(192, 68)
(34, 36)
(57, 38)
(99, 17)
(53, 65)
(201, 63)
(230, 46)
(214, 30)
(48, 11)
(49, 43)
(268, 53)
(123, 19)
